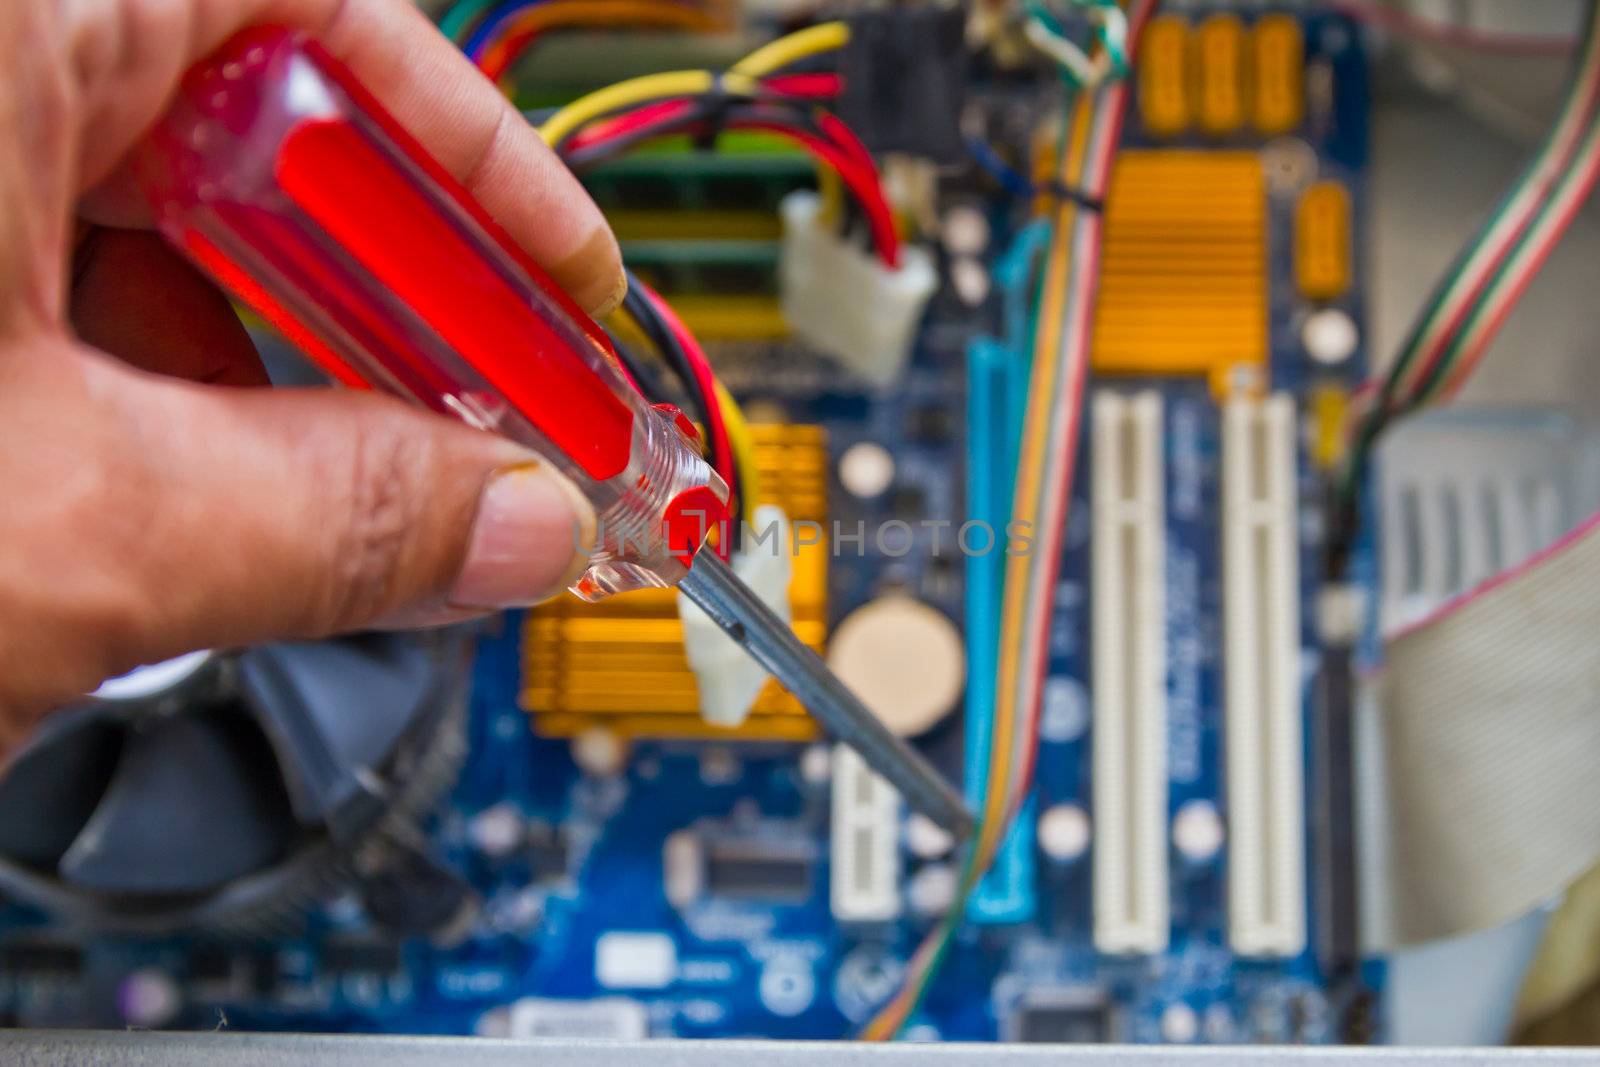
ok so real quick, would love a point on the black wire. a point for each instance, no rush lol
(779, 111)
(716, 108)
(672, 354)
(665, 342)
(644, 375)
(719, 98)
(612, 146)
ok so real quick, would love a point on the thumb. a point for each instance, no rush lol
(228, 516)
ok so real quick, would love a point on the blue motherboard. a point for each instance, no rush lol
(579, 934)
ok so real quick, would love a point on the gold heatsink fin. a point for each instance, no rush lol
(1183, 285)
(619, 665)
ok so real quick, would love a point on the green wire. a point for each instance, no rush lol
(1110, 29)
(460, 20)
(1490, 296)
(1385, 409)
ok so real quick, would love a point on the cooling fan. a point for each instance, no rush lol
(215, 790)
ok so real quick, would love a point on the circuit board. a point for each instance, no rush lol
(580, 930)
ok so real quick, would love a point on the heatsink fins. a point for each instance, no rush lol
(1262, 683)
(1132, 911)
(620, 666)
(1183, 287)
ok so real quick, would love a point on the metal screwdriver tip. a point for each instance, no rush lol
(745, 618)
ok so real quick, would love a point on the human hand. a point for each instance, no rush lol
(151, 500)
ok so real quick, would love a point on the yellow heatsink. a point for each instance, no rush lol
(1220, 66)
(1163, 71)
(619, 665)
(1322, 238)
(1183, 287)
(1219, 72)
(1279, 62)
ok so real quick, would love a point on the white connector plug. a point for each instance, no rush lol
(844, 301)
(728, 679)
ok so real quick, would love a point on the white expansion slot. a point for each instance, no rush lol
(1132, 910)
(864, 848)
(1261, 671)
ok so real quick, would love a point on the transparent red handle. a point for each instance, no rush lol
(283, 178)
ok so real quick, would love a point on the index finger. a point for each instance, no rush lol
(453, 110)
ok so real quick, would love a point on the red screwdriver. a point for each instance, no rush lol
(282, 177)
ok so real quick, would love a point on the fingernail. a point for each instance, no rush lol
(527, 540)
(598, 291)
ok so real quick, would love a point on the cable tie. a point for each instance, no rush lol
(1061, 191)
(717, 102)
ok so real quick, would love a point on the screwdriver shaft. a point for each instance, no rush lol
(745, 618)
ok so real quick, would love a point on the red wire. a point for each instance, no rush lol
(850, 160)
(815, 86)
(661, 111)
(1081, 341)
(495, 64)
(1453, 325)
(863, 182)
(835, 129)
(706, 383)
(1586, 184)
(798, 86)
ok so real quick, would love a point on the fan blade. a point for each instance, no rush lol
(194, 803)
(333, 711)
(53, 785)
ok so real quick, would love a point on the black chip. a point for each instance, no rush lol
(933, 424)
(264, 974)
(904, 77)
(210, 963)
(1069, 1019)
(361, 956)
(908, 501)
(547, 851)
(758, 872)
(416, 895)
(40, 957)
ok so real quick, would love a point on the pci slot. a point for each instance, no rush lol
(864, 879)
(1132, 910)
(1261, 668)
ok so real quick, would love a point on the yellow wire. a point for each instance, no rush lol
(775, 55)
(1047, 351)
(741, 79)
(625, 94)
(803, 44)
(1030, 469)
(744, 450)
(830, 190)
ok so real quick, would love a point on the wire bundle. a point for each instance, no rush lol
(1082, 71)
(1046, 462)
(496, 35)
(1474, 298)
(730, 449)
(755, 94)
